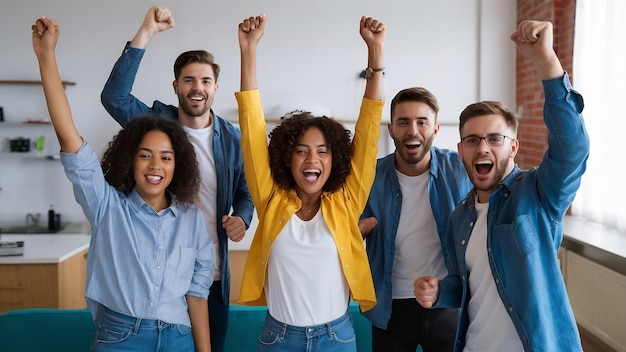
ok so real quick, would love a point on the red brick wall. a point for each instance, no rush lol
(532, 133)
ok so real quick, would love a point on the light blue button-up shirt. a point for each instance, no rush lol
(524, 233)
(141, 263)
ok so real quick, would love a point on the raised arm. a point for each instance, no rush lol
(534, 39)
(45, 35)
(250, 33)
(373, 33)
(157, 19)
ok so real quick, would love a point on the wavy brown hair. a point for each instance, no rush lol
(487, 107)
(195, 56)
(285, 136)
(415, 94)
(117, 161)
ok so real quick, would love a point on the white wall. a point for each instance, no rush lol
(310, 57)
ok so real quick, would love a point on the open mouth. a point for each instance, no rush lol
(153, 179)
(483, 166)
(196, 98)
(311, 175)
(412, 146)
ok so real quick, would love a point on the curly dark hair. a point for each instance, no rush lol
(286, 135)
(117, 161)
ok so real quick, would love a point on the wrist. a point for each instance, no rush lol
(370, 71)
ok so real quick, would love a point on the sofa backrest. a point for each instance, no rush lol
(43, 329)
(69, 330)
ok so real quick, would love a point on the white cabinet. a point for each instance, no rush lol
(597, 296)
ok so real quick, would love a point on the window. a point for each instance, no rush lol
(599, 74)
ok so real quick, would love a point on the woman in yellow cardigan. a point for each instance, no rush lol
(309, 187)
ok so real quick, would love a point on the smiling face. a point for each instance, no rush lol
(311, 163)
(196, 88)
(154, 168)
(488, 165)
(413, 129)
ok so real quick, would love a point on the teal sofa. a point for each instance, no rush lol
(65, 330)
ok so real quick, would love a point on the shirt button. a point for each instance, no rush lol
(341, 249)
(151, 304)
(346, 265)
(462, 242)
(510, 309)
(159, 267)
(472, 223)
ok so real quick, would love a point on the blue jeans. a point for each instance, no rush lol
(335, 336)
(118, 332)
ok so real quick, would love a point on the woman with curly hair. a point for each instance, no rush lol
(150, 262)
(309, 187)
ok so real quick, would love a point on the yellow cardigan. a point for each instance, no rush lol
(275, 206)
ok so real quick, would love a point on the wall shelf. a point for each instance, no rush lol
(32, 82)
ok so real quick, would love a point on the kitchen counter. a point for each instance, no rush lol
(46, 248)
(596, 242)
(50, 274)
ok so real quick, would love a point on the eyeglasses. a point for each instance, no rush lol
(492, 140)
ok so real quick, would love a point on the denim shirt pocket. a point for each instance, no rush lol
(517, 239)
(186, 263)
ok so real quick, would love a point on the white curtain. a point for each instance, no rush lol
(600, 76)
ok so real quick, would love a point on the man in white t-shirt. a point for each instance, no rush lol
(416, 188)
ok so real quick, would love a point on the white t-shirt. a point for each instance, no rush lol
(490, 327)
(202, 140)
(305, 283)
(417, 247)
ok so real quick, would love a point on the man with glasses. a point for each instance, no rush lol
(415, 190)
(504, 237)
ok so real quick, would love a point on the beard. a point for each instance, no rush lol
(501, 171)
(194, 111)
(410, 158)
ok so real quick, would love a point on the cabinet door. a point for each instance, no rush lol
(598, 298)
(72, 279)
(28, 286)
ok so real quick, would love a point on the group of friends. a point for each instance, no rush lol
(460, 249)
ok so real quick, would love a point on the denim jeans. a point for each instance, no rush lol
(118, 332)
(335, 336)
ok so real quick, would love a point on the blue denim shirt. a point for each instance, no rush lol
(447, 186)
(232, 190)
(524, 233)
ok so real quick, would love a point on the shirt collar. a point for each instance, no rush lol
(137, 203)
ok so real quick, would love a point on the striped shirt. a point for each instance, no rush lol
(141, 263)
